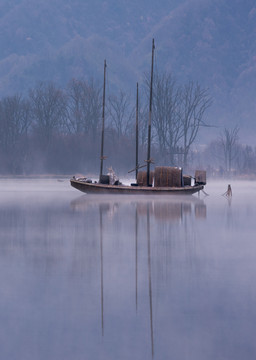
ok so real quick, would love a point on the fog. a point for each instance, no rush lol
(111, 277)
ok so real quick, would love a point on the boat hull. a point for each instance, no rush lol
(95, 188)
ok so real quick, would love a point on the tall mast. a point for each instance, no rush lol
(137, 131)
(103, 121)
(150, 114)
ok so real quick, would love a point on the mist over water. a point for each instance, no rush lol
(110, 277)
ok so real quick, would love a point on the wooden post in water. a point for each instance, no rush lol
(137, 132)
(103, 122)
(150, 114)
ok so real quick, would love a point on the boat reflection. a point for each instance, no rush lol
(143, 212)
(174, 209)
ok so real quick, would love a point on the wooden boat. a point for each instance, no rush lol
(98, 188)
(167, 181)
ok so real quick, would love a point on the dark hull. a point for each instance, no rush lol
(95, 188)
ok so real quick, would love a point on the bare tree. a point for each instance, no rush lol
(15, 121)
(195, 102)
(177, 115)
(228, 141)
(76, 121)
(213, 155)
(246, 159)
(120, 113)
(48, 110)
(166, 121)
(84, 107)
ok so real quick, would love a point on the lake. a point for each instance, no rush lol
(126, 277)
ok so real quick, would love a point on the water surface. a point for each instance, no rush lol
(110, 277)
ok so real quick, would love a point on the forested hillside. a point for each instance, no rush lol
(211, 42)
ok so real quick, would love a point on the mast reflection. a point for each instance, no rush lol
(150, 282)
(122, 214)
(101, 271)
(136, 258)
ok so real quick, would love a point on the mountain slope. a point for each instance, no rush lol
(212, 42)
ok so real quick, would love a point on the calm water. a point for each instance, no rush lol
(86, 277)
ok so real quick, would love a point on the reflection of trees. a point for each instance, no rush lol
(82, 243)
